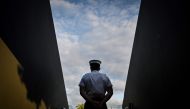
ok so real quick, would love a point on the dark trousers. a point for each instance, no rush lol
(88, 105)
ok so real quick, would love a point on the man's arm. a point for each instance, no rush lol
(86, 97)
(108, 95)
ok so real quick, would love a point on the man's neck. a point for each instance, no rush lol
(94, 70)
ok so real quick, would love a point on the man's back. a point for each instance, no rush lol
(95, 83)
(93, 87)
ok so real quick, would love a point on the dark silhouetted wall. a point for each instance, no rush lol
(26, 26)
(156, 69)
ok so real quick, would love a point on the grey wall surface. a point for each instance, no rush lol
(156, 71)
(26, 26)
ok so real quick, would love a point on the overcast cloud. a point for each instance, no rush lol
(95, 29)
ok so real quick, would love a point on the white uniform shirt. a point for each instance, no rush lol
(95, 83)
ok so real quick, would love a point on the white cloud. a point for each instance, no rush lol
(63, 3)
(107, 36)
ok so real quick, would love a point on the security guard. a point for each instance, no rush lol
(93, 87)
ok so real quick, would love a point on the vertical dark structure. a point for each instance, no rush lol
(156, 69)
(26, 26)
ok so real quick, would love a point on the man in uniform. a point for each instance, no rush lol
(93, 87)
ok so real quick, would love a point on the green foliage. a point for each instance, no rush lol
(80, 106)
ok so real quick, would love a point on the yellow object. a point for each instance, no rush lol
(12, 90)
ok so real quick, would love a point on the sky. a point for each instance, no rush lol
(95, 29)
